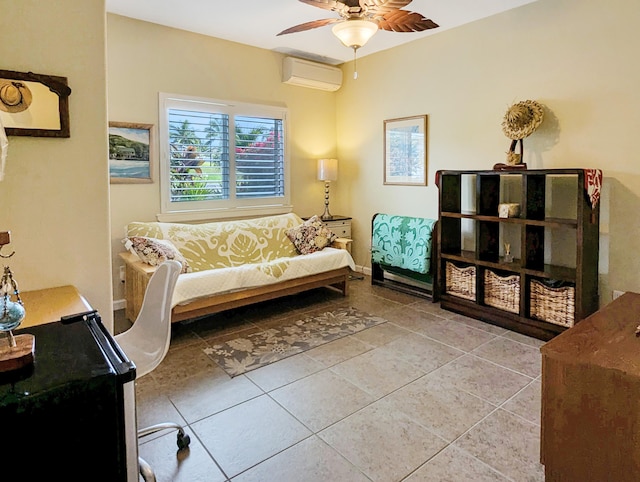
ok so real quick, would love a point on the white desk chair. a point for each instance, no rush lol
(146, 343)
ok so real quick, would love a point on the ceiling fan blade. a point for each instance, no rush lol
(310, 25)
(383, 6)
(325, 4)
(405, 21)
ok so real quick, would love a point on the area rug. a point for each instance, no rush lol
(256, 350)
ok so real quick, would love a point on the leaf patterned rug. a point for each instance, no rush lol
(256, 350)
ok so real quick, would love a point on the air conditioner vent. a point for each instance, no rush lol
(314, 75)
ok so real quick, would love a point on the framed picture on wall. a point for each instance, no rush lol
(405, 151)
(131, 152)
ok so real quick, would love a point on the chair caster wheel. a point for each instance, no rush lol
(183, 440)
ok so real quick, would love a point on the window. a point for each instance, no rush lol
(221, 156)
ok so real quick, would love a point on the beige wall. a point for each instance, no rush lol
(55, 196)
(144, 59)
(576, 57)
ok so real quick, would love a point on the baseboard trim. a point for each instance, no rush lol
(119, 304)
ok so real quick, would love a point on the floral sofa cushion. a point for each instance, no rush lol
(225, 244)
(311, 236)
(155, 251)
(402, 242)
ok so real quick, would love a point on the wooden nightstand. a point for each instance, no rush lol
(341, 225)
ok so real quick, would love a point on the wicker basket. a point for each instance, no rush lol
(502, 292)
(461, 281)
(554, 305)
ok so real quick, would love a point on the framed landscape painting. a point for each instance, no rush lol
(405, 151)
(130, 152)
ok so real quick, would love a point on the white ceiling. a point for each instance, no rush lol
(257, 22)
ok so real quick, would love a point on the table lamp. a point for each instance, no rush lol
(327, 172)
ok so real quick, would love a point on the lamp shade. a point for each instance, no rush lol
(355, 33)
(327, 169)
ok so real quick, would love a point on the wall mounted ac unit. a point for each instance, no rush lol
(311, 74)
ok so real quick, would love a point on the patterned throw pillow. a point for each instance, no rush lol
(311, 236)
(155, 251)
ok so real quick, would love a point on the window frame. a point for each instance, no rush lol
(219, 208)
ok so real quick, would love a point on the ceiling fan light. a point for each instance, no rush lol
(355, 33)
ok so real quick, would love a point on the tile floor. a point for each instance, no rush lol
(428, 396)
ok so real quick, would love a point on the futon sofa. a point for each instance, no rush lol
(228, 264)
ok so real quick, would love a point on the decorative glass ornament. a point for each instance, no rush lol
(11, 312)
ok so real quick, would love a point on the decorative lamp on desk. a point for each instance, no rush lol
(327, 172)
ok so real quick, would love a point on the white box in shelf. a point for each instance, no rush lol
(508, 210)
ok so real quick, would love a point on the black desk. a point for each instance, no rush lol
(66, 412)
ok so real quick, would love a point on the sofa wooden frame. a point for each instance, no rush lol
(137, 274)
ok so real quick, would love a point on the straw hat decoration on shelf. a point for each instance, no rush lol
(520, 121)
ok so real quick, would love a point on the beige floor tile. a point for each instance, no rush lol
(508, 443)
(339, 350)
(224, 336)
(388, 439)
(181, 363)
(190, 465)
(393, 295)
(527, 340)
(381, 334)
(526, 403)
(440, 406)
(378, 372)
(275, 322)
(430, 307)
(422, 352)
(370, 303)
(482, 378)
(321, 399)
(202, 395)
(155, 407)
(455, 465)
(311, 460)
(249, 433)
(409, 318)
(219, 324)
(284, 371)
(384, 443)
(454, 333)
(479, 324)
(182, 335)
(120, 322)
(512, 354)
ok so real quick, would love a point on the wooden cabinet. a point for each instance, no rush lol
(590, 419)
(341, 225)
(550, 279)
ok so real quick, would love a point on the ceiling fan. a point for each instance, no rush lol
(360, 19)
